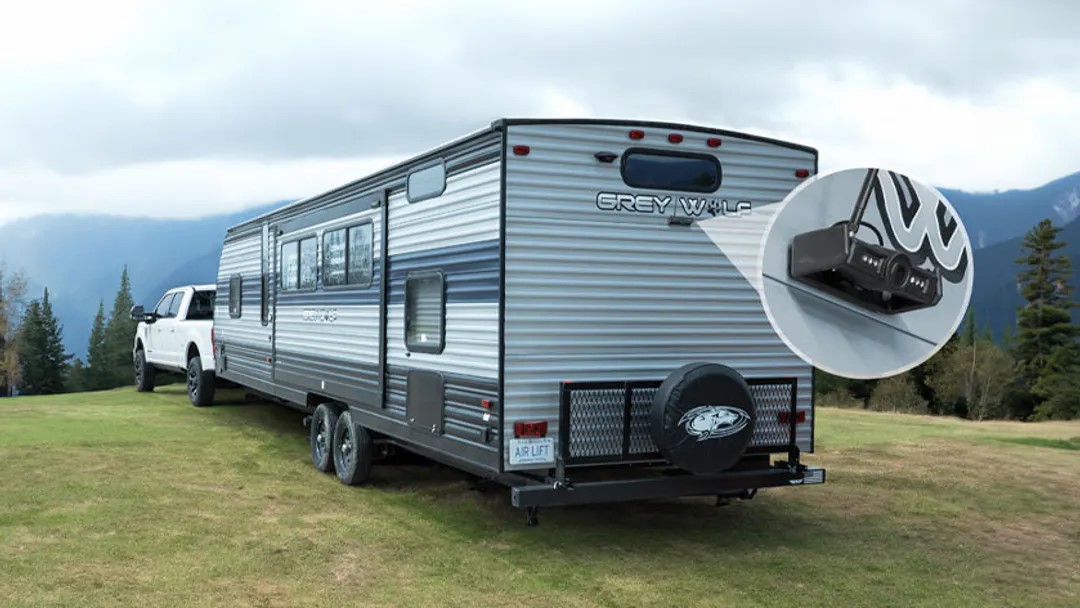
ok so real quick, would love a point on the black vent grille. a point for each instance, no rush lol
(605, 422)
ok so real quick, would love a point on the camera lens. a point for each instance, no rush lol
(898, 271)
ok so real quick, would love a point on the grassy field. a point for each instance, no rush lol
(124, 499)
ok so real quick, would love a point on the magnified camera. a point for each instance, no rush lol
(871, 276)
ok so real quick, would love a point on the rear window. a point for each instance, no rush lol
(201, 307)
(663, 170)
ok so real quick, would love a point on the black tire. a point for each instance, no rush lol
(352, 451)
(144, 373)
(703, 418)
(321, 437)
(200, 383)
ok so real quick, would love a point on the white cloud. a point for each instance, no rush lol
(177, 189)
(132, 107)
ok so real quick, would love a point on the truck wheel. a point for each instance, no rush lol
(323, 423)
(200, 383)
(144, 373)
(352, 451)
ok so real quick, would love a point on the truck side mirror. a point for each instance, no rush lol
(138, 313)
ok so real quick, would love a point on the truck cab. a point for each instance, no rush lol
(176, 336)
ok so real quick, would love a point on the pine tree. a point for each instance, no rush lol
(31, 340)
(1058, 387)
(43, 361)
(96, 373)
(1044, 323)
(55, 357)
(119, 336)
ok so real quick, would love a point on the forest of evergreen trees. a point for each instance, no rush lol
(32, 356)
(1034, 373)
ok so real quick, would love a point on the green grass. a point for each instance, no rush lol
(124, 499)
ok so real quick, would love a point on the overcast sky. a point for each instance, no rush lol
(196, 107)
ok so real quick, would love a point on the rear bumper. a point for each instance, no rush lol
(548, 495)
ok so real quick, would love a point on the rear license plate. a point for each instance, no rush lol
(538, 450)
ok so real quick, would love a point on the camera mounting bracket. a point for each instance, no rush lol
(873, 277)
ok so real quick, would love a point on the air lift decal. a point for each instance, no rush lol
(690, 206)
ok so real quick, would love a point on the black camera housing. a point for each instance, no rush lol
(871, 276)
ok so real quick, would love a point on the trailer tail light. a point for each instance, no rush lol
(713, 142)
(675, 138)
(802, 173)
(637, 134)
(521, 150)
(785, 417)
(485, 403)
(530, 429)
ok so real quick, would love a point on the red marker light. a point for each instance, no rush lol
(675, 138)
(485, 403)
(637, 134)
(785, 417)
(713, 142)
(521, 150)
(530, 429)
(802, 173)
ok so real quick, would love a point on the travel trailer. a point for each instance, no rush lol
(537, 305)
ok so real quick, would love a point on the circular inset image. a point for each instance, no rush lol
(865, 272)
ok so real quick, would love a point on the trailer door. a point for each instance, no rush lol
(268, 289)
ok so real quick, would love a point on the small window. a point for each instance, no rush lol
(347, 256)
(162, 309)
(236, 296)
(300, 264)
(333, 252)
(425, 312)
(663, 170)
(426, 183)
(201, 307)
(309, 263)
(360, 245)
(290, 265)
(174, 308)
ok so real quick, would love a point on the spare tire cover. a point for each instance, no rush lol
(703, 417)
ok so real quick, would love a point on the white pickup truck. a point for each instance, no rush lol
(178, 336)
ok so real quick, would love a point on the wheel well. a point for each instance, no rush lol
(192, 352)
(313, 401)
(138, 344)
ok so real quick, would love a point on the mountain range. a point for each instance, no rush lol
(80, 257)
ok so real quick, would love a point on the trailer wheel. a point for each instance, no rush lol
(323, 422)
(200, 383)
(352, 451)
(144, 373)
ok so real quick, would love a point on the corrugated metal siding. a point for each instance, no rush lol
(459, 232)
(456, 233)
(601, 295)
(338, 358)
(246, 339)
